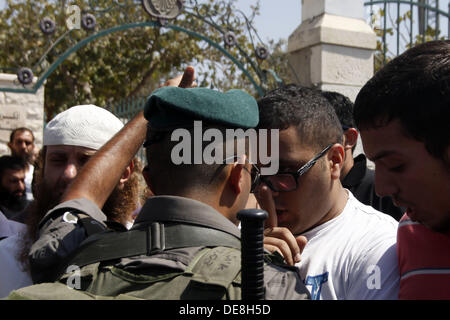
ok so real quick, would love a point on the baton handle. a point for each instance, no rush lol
(252, 253)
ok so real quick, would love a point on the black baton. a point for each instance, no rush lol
(252, 253)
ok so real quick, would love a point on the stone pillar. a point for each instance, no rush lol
(333, 47)
(19, 110)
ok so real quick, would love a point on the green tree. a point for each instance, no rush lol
(124, 63)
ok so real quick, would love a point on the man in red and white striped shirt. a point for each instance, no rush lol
(403, 115)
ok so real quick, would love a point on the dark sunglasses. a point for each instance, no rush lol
(285, 181)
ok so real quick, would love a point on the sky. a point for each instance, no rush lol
(277, 19)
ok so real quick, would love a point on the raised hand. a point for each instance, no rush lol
(277, 238)
(185, 80)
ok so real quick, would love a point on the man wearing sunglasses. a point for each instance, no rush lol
(350, 249)
(185, 243)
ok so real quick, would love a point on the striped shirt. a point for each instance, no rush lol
(424, 261)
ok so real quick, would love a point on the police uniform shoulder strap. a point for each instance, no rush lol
(154, 238)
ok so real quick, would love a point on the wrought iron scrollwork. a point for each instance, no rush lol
(262, 53)
(47, 26)
(226, 23)
(163, 9)
(88, 21)
(25, 76)
(229, 38)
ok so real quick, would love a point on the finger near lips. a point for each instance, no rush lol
(265, 200)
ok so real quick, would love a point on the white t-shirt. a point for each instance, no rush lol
(28, 181)
(353, 256)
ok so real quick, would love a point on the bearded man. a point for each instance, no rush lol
(70, 139)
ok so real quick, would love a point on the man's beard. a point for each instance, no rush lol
(118, 207)
(11, 201)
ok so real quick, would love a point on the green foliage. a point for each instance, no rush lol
(383, 54)
(123, 63)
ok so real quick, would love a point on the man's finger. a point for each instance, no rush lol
(187, 81)
(174, 82)
(282, 247)
(295, 245)
(301, 241)
(265, 200)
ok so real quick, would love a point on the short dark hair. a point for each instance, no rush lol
(305, 108)
(21, 129)
(343, 108)
(189, 177)
(11, 163)
(415, 89)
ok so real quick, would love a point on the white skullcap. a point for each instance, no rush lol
(85, 126)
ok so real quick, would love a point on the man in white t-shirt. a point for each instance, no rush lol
(349, 249)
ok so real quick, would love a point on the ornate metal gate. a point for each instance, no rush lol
(402, 24)
(161, 12)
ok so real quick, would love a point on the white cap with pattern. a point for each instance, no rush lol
(84, 125)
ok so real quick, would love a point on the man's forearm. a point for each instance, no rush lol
(102, 172)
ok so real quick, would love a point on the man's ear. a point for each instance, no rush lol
(127, 173)
(336, 156)
(351, 138)
(236, 177)
(10, 145)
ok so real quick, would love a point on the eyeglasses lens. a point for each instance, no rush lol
(281, 182)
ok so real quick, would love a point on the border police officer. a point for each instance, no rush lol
(185, 242)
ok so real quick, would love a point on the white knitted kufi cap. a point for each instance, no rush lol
(85, 126)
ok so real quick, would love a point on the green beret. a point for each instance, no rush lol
(172, 107)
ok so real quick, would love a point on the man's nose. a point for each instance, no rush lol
(19, 186)
(384, 185)
(22, 186)
(70, 172)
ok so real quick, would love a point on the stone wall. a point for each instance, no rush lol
(333, 47)
(19, 110)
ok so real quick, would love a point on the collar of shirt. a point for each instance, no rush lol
(356, 173)
(184, 210)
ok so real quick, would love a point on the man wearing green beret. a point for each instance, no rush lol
(185, 243)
